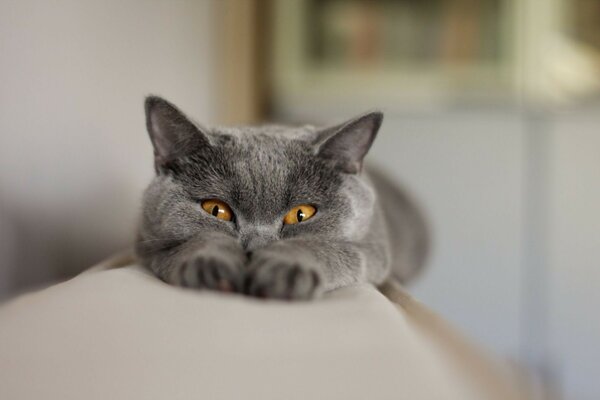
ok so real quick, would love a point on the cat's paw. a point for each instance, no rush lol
(212, 272)
(282, 280)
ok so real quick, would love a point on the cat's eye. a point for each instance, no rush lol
(218, 209)
(299, 214)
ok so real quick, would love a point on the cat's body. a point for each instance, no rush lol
(363, 229)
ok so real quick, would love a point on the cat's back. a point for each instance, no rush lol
(405, 224)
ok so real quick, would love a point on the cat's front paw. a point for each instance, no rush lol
(212, 272)
(282, 280)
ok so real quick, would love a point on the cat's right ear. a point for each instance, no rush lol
(172, 134)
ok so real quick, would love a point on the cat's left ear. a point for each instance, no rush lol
(348, 143)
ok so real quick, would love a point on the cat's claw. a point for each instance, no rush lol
(281, 280)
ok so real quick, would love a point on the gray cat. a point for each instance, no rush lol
(273, 211)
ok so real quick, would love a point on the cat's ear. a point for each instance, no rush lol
(172, 134)
(348, 143)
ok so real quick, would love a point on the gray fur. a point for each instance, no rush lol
(365, 228)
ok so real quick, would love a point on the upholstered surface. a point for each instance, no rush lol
(122, 334)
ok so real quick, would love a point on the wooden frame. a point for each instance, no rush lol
(242, 32)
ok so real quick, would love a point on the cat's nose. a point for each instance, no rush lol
(255, 242)
(248, 255)
(255, 236)
(256, 239)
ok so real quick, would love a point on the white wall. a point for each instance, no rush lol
(574, 251)
(74, 154)
(467, 168)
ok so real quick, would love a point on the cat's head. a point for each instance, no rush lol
(258, 184)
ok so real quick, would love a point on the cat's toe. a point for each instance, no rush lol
(211, 273)
(282, 281)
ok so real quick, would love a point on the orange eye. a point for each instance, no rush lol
(299, 214)
(218, 209)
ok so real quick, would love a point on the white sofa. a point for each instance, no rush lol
(120, 333)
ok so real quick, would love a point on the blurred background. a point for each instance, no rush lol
(492, 121)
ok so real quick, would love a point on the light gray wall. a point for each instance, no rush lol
(74, 155)
(467, 169)
(574, 251)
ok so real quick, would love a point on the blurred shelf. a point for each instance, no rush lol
(399, 55)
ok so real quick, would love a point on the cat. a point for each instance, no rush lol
(273, 211)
